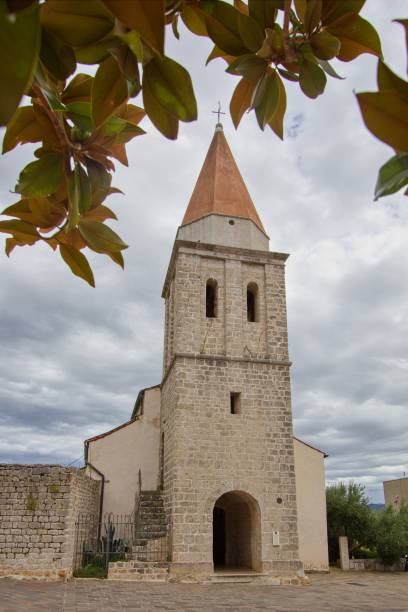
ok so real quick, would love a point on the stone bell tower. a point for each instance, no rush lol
(226, 425)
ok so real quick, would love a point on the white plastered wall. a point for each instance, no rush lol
(119, 456)
(311, 507)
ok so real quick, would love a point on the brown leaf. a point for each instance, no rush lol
(109, 90)
(23, 127)
(77, 262)
(241, 100)
(356, 35)
(145, 16)
(385, 114)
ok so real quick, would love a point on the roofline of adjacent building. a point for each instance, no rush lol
(395, 479)
(133, 418)
(310, 446)
(139, 400)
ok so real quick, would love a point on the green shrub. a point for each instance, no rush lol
(91, 571)
(391, 534)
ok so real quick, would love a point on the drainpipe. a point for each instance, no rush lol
(103, 479)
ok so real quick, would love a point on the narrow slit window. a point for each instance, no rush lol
(235, 403)
(211, 299)
(252, 303)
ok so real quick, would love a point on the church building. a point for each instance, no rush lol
(212, 445)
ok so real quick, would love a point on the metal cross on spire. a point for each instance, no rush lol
(219, 112)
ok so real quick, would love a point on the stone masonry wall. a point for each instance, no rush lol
(38, 508)
(209, 451)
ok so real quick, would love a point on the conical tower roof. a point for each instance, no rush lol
(220, 188)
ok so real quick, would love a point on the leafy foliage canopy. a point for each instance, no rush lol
(83, 123)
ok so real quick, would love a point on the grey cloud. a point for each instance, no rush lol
(73, 358)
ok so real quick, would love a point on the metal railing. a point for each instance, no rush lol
(117, 538)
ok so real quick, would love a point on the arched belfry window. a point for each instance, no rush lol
(211, 299)
(252, 302)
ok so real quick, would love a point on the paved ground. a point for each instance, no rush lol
(335, 592)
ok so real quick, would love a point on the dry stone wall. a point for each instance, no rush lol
(39, 505)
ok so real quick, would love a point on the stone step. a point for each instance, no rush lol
(238, 577)
(149, 527)
(155, 516)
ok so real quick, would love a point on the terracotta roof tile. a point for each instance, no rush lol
(220, 188)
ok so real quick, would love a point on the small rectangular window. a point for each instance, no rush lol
(235, 403)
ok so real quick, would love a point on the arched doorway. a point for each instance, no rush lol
(236, 532)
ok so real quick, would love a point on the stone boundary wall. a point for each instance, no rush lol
(39, 505)
(376, 565)
(138, 571)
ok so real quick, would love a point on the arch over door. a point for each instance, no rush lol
(237, 531)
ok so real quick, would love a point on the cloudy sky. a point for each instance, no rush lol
(73, 358)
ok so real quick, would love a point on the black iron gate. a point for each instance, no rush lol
(115, 538)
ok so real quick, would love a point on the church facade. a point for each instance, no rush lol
(214, 440)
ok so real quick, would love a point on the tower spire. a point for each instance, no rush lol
(218, 112)
(220, 188)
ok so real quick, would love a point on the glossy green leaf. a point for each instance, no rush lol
(19, 48)
(117, 257)
(80, 115)
(312, 79)
(79, 194)
(325, 46)
(387, 79)
(250, 32)
(264, 12)
(313, 15)
(100, 237)
(129, 66)
(96, 52)
(144, 16)
(42, 177)
(74, 194)
(333, 9)
(164, 121)
(276, 121)
(194, 19)
(301, 7)
(404, 23)
(266, 98)
(99, 176)
(392, 176)
(78, 90)
(241, 100)
(385, 114)
(249, 66)
(328, 68)
(76, 22)
(77, 262)
(290, 76)
(216, 53)
(222, 22)
(100, 213)
(109, 90)
(134, 41)
(57, 57)
(170, 84)
(356, 36)
(22, 128)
